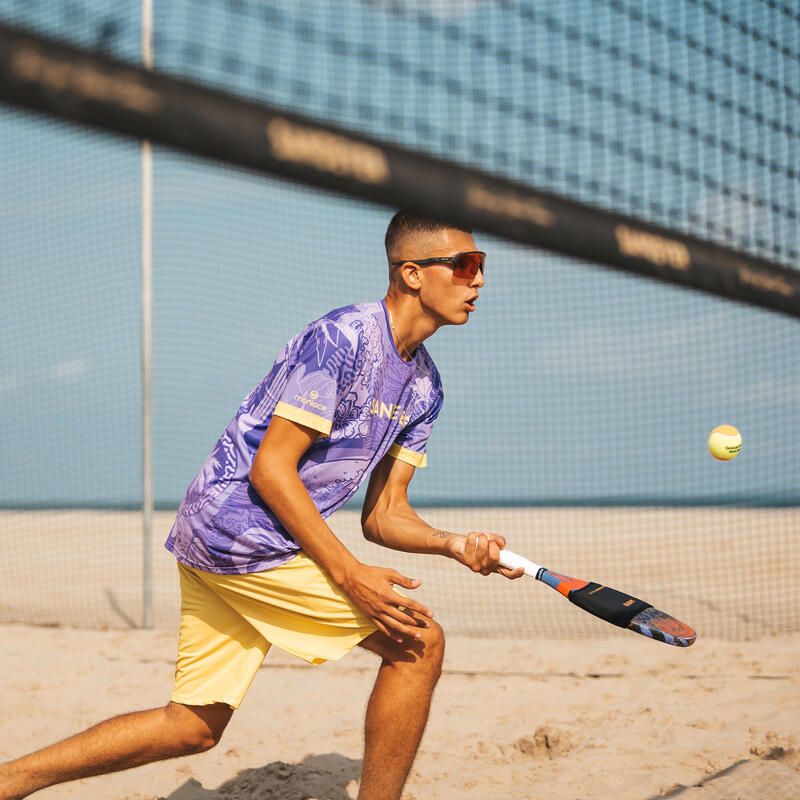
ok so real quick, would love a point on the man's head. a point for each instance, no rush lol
(409, 234)
(446, 291)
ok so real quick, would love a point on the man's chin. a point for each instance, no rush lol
(458, 318)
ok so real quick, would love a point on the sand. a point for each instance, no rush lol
(626, 718)
(538, 699)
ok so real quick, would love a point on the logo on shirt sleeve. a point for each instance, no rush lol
(311, 400)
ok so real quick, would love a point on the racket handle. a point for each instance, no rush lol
(513, 561)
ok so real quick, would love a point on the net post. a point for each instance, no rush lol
(147, 338)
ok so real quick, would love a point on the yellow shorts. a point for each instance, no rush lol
(229, 622)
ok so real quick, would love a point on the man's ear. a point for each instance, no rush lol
(408, 274)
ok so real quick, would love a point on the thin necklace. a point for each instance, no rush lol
(400, 342)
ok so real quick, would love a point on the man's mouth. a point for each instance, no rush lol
(471, 303)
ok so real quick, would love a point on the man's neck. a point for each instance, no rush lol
(409, 327)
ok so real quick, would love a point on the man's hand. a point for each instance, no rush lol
(481, 553)
(370, 588)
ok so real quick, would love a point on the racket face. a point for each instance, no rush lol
(658, 625)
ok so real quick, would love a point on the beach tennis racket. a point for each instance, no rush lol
(609, 604)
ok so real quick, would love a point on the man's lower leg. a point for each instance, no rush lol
(118, 743)
(396, 716)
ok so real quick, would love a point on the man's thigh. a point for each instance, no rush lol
(229, 622)
(219, 652)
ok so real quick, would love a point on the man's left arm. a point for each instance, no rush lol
(388, 519)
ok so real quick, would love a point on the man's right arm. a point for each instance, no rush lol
(274, 476)
(388, 519)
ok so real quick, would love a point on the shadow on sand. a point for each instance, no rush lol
(323, 777)
(773, 775)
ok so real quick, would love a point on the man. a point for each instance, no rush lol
(354, 393)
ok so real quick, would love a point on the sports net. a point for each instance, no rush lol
(682, 114)
(579, 399)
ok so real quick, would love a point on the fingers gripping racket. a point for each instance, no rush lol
(606, 603)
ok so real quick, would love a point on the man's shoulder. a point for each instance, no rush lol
(342, 326)
(359, 323)
(353, 316)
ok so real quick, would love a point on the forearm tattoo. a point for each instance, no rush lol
(442, 534)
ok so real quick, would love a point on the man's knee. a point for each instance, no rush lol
(422, 656)
(433, 648)
(426, 654)
(198, 728)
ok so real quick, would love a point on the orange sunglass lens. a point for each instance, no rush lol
(468, 264)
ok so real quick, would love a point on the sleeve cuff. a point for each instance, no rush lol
(303, 417)
(409, 456)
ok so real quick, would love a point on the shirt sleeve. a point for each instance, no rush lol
(320, 370)
(410, 444)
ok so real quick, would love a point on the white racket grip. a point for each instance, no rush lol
(513, 561)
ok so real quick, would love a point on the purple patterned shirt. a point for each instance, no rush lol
(341, 376)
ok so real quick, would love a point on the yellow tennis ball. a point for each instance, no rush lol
(724, 443)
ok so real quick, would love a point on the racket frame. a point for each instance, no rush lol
(649, 621)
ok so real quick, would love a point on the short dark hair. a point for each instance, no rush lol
(405, 222)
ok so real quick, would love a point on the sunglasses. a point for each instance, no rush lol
(465, 265)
